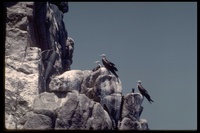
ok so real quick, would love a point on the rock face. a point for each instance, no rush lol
(41, 89)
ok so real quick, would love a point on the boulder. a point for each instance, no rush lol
(38, 121)
(68, 81)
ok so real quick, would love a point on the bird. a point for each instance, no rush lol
(143, 91)
(133, 90)
(109, 65)
(98, 66)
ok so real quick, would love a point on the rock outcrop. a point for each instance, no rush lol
(41, 89)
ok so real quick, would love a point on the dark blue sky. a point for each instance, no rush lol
(155, 42)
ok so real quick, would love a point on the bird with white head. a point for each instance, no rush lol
(143, 91)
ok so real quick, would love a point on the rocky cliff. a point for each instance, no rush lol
(41, 89)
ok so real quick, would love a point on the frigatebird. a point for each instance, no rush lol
(143, 91)
(98, 66)
(109, 65)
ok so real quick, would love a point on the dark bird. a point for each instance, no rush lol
(133, 90)
(98, 66)
(143, 91)
(109, 65)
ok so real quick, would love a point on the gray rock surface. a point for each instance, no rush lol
(108, 91)
(72, 111)
(31, 29)
(38, 121)
(131, 111)
(41, 89)
(82, 114)
(68, 81)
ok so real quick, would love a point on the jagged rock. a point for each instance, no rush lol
(82, 114)
(131, 112)
(89, 80)
(76, 111)
(48, 67)
(16, 41)
(38, 121)
(132, 105)
(108, 90)
(21, 81)
(45, 106)
(133, 124)
(144, 124)
(18, 18)
(21, 66)
(51, 36)
(10, 122)
(31, 27)
(95, 75)
(47, 101)
(106, 85)
(66, 113)
(112, 104)
(100, 119)
(41, 90)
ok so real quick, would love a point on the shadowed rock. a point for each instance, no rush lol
(131, 111)
(31, 28)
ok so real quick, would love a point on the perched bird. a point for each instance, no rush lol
(109, 65)
(133, 90)
(143, 91)
(98, 66)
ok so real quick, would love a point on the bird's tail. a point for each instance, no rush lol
(150, 100)
(115, 74)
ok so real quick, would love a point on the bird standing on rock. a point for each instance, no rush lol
(109, 65)
(143, 91)
(98, 66)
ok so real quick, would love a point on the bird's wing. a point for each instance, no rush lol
(148, 97)
(112, 65)
(109, 64)
(145, 91)
(142, 90)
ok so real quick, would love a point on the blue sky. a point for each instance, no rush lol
(155, 42)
